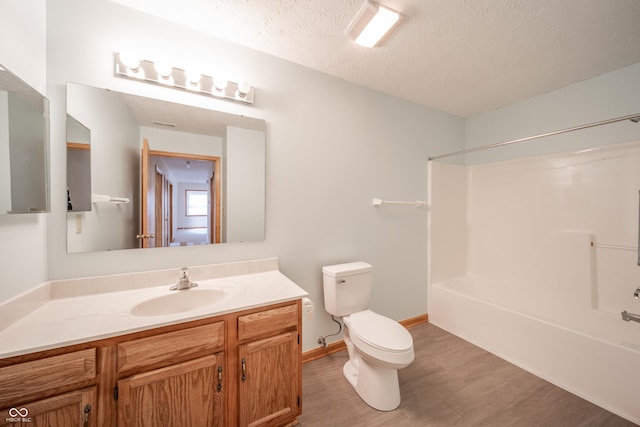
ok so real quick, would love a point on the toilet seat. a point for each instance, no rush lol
(380, 338)
(380, 332)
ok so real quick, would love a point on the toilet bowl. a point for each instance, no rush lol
(377, 345)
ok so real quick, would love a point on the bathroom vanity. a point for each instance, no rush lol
(231, 363)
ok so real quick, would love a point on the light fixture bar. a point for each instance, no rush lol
(373, 24)
(147, 71)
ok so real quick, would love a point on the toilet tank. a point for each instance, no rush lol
(347, 288)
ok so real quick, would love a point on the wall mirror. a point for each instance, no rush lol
(24, 146)
(160, 173)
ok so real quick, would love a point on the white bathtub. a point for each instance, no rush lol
(547, 322)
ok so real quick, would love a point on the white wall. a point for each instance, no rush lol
(23, 237)
(243, 182)
(331, 147)
(23, 50)
(611, 95)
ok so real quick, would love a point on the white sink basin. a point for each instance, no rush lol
(178, 302)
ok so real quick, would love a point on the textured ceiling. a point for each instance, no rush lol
(464, 57)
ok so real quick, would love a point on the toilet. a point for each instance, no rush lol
(377, 346)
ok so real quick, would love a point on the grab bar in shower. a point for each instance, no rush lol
(607, 246)
(630, 316)
(417, 203)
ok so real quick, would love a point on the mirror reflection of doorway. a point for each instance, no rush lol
(172, 176)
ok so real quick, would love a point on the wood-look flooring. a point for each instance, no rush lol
(450, 383)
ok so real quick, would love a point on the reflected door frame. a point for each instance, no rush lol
(148, 216)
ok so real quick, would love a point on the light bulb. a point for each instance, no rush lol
(130, 60)
(243, 89)
(220, 84)
(193, 77)
(164, 70)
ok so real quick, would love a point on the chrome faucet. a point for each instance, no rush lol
(636, 294)
(183, 281)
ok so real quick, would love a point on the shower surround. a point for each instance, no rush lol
(534, 260)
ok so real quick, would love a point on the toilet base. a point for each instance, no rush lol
(376, 385)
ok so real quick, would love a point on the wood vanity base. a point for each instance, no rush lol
(236, 369)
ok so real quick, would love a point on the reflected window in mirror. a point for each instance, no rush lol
(196, 202)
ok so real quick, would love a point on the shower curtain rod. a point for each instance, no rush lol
(634, 117)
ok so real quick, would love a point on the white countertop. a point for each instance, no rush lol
(77, 319)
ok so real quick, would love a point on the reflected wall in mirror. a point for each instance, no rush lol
(147, 155)
(78, 166)
(24, 147)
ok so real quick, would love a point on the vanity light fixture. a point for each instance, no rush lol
(373, 24)
(132, 67)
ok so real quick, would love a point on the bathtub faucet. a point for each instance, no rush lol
(636, 294)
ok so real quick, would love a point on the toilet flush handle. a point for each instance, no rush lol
(340, 282)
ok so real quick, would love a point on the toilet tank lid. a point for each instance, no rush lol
(347, 269)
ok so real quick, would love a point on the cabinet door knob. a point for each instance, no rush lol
(87, 410)
(244, 369)
(219, 386)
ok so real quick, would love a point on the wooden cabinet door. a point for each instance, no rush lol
(73, 409)
(269, 381)
(186, 394)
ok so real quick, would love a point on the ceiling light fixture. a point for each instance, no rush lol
(132, 67)
(373, 24)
